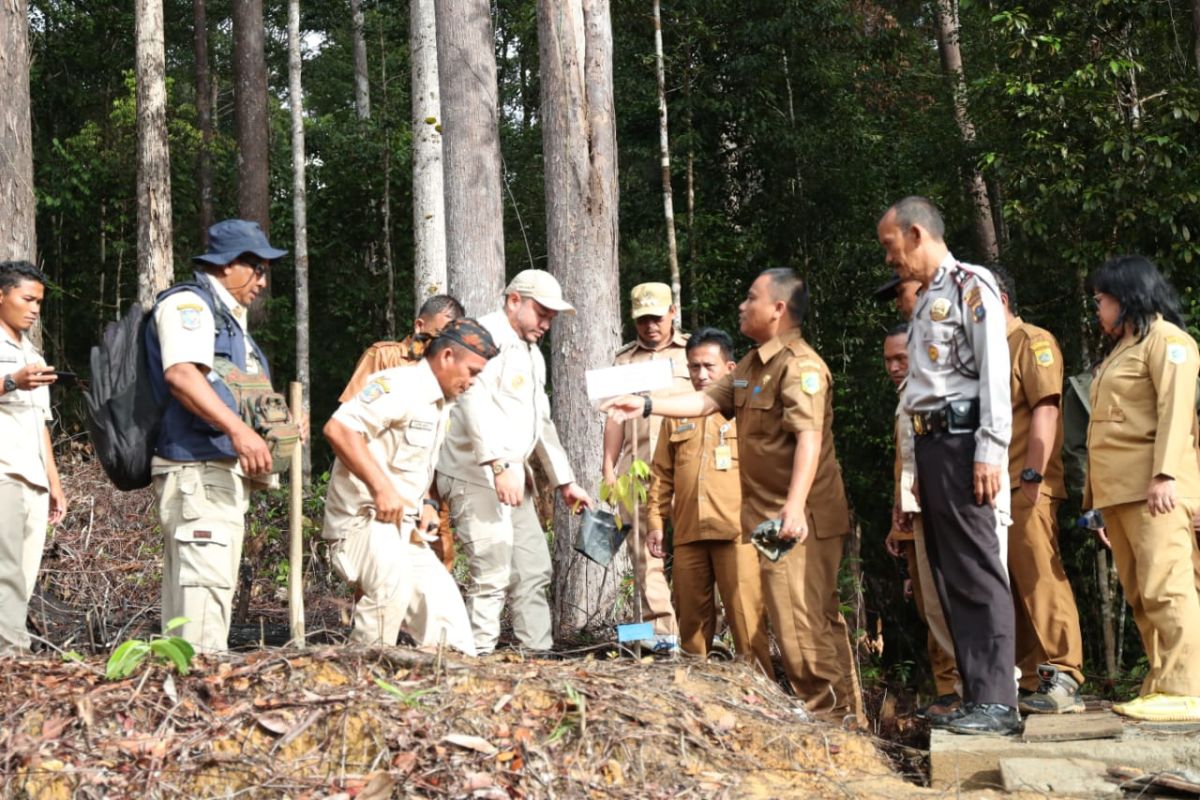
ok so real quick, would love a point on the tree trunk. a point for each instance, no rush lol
(362, 83)
(664, 151)
(250, 112)
(18, 237)
(1196, 32)
(952, 66)
(579, 142)
(299, 215)
(429, 217)
(471, 153)
(389, 266)
(204, 105)
(156, 266)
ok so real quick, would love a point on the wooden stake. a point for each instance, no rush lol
(296, 533)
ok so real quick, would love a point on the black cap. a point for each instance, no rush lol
(887, 291)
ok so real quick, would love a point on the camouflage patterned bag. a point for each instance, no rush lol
(263, 409)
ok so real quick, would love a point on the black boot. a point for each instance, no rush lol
(987, 718)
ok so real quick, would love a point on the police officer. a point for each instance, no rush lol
(386, 440)
(1048, 639)
(654, 317)
(31, 495)
(781, 396)
(207, 459)
(958, 396)
(1143, 477)
(484, 472)
(697, 486)
(909, 541)
(435, 313)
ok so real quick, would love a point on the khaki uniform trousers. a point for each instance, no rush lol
(652, 577)
(202, 509)
(801, 595)
(929, 609)
(733, 566)
(506, 551)
(1047, 620)
(24, 515)
(1155, 558)
(403, 585)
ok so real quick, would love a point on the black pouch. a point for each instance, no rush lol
(598, 536)
(962, 416)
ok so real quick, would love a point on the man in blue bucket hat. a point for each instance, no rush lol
(207, 457)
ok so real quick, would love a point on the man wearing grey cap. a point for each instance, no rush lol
(484, 473)
(207, 458)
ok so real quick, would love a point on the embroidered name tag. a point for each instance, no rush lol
(740, 384)
(420, 425)
(686, 426)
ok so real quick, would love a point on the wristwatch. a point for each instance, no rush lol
(1030, 475)
(646, 407)
(10, 385)
(434, 504)
(498, 467)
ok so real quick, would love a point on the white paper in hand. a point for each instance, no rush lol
(644, 376)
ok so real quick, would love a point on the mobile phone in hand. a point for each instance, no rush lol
(66, 377)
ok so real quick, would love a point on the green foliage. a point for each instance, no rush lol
(409, 699)
(629, 490)
(171, 650)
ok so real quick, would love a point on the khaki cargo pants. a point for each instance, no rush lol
(202, 509)
(403, 585)
(24, 514)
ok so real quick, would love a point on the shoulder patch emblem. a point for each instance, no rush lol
(373, 391)
(974, 302)
(810, 382)
(1176, 351)
(189, 316)
(940, 309)
(1043, 353)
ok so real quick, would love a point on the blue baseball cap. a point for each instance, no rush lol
(230, 238)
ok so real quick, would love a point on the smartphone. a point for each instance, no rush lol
(66, 378)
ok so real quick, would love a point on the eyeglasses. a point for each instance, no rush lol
(259, 265)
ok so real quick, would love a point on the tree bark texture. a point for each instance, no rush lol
(429, 210)
(250, 112)
(1196, 32)
(952, 67)
(664, 151)
(18, 238)
(362, 82)
(204, 118)
(471, 153)
(579, 142)
(156, 264)
(299, 216)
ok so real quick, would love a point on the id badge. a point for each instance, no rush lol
(723, 457)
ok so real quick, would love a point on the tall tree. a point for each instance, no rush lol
(952, 65)
(156, 265)
(362, 82)
(471, 155)
(18, 238)
(664, 151)
(429, 210)
(299, 212)
(250, 112)
(204, 116)
(580, 145)
(1196, 32)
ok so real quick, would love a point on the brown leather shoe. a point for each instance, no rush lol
(940, 707)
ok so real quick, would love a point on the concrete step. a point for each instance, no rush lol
(974, 762)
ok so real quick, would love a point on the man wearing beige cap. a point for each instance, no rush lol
(654, 317)
(484, 473)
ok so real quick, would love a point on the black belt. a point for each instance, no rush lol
(958, 416)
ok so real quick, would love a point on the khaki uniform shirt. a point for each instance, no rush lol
(505, 415)
(704, 502)
(187, 331)
(377, 358)
(776, 391)
(635, 353)
(1143, 400)
(402, 414)
(23, 417)
(1037, 373)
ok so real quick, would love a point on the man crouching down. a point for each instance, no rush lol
(378, 507)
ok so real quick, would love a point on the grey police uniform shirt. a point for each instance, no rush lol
(958, 350)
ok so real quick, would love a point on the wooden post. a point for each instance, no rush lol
(296, 533)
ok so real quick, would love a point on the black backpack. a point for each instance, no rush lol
(123, 412)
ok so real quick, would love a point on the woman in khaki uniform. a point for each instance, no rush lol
(1143, 476)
